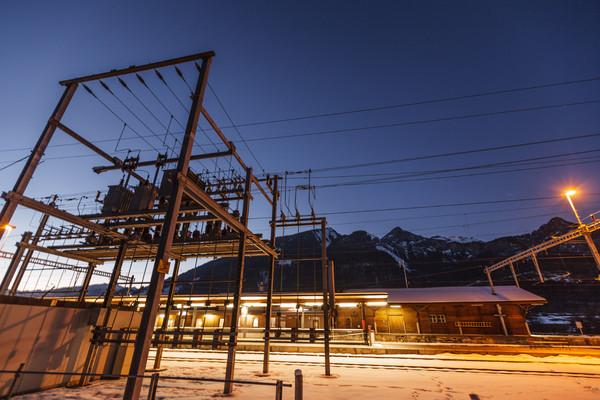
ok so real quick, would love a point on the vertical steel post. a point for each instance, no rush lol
(501, 316)
(588, 238)
(14, 263)
(144, 335)
(537, 267)
(114, 277)
(331, 286)
(34, 159)
(86, 282)
(168, 308)
(512, 269)
(298, 384)
(491, 283)
(29, 254)
(363, 310)
(325, 290)
(153, 386)
(269, 309)
(239, 280)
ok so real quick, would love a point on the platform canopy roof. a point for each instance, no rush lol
(458, 294)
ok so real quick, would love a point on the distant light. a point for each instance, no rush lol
(376, 303)
(244, 311)
(570, 192)
(396, 306)
(346, 305)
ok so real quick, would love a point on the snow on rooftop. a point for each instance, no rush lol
(458, 294)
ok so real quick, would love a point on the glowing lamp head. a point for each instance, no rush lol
(570, 192)
(9, 227)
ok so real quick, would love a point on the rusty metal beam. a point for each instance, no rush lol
(116, 72)
(116, 273)
(204, 199)
(118, 163)
(141, 213)
(144, 336)
(60, 214)
(216, 128)
(153, 222)
(60, 253)
(14, 263)
(237, 295)
(34, 159)
(167, 161)
(86, 283)
(271, 273)
(325, 295)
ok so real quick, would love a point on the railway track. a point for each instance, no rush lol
(371, 366)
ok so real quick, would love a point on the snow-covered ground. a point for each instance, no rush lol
(446, 376)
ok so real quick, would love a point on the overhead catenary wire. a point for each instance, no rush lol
(236, 129)
(418, 176)
(423, 102)
(424, 121)
(117, 116)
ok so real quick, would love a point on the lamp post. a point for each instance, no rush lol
(570, 193)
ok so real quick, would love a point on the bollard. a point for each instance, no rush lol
(15, 381)
(279, 390)
(153, 386)
(298, 384)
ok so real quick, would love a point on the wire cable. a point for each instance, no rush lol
(236, 129)
(445, 99)
(425, 121)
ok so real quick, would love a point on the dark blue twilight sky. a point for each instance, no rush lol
(280, 60)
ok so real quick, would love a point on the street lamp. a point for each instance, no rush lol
(7, 229)
(570, 193)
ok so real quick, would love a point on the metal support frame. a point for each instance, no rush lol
(237, 295)
(14, 263)
(34, 159)
(269, 309)
(144, 336)
(591, 227)
(101, 224)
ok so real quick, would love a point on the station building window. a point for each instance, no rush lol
(437, 318)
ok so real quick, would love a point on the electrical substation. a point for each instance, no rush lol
(182, 193)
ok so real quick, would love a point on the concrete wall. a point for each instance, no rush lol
(52, 338)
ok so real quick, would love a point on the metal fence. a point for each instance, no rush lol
(154, 381)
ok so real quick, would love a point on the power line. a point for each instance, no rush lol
(398, 179)
(116, 115)
(425, 121)
(419, 102)
(236, 129)
(455, 153)
(445, 205)
(522, 162)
